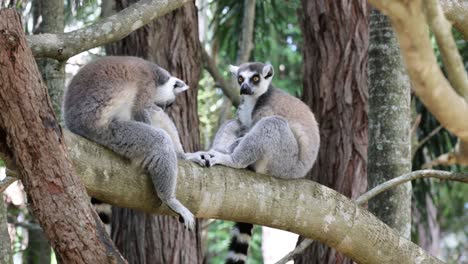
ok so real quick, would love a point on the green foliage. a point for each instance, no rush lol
(277, 38)
(450, 198)
(218, 238)
(210, 101)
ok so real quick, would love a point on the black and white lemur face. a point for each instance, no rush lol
(166, 92)
(253, 78)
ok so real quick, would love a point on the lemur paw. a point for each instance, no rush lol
(200, 157)
(185, 216)
(215, 158)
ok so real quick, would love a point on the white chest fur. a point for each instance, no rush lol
(244, 112)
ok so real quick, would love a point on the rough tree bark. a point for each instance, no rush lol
(48, 17)
(389, 125)
(32, 137)
(335, 87)
(172, 42)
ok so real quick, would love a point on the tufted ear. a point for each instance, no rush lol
(233, 69)
(267, 71)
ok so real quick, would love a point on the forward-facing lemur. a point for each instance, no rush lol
(116, 102)
(274, 133)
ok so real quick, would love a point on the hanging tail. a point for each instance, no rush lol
(241, 235)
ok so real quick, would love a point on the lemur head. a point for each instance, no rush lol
(167, 87)
(254, 78)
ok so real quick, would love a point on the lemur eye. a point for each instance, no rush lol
(240, 79)
(256, 79)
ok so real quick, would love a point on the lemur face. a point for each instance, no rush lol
(167, 92)
(253, 78)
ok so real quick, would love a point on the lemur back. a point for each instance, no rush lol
(301, 121)
(116, 102)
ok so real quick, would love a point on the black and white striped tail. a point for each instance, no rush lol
(104, 211)
(241, 235)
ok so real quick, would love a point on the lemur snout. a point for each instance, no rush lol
(246, 89)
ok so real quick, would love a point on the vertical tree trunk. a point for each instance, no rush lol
(389, 125)
(172, 42)
(335, 87)
(33, 138)
(5, 245)
(52, 20)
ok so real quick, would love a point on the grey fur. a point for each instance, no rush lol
(113, 101)
(274, 133)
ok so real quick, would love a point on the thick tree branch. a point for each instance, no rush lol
(113, 28)
(300, 206)
(429, 83)
(457, 12)
(448, 49)
(361, 200)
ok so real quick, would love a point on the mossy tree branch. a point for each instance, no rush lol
(63, 46)
(244, 196)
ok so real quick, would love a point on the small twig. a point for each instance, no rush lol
(416, 123)
(442, 175)
(7, 181)
(297, 251)
(424, 140)
(448, 49)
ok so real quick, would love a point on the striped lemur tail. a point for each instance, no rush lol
(104, 211)
(241, 235)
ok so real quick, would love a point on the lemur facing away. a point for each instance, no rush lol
(274, 133)
(116, 102)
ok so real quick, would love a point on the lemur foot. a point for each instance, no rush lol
(185, 215)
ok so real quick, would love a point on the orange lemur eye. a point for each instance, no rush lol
(240, 79)
(256, 79)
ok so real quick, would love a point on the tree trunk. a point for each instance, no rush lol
(52, 17)
(335, 87)
(389, 125)
(172, 42)
(33, 138)
(5, 245)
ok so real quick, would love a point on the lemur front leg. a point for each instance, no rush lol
(267, 135)
(226, 139)
(152, 149)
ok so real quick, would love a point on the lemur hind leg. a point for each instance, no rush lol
(150, 148)
(270, 141)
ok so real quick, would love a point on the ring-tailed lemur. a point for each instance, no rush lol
(116, 102)
(274, 133)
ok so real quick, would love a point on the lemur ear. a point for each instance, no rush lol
(268, 71)
(233, 69)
